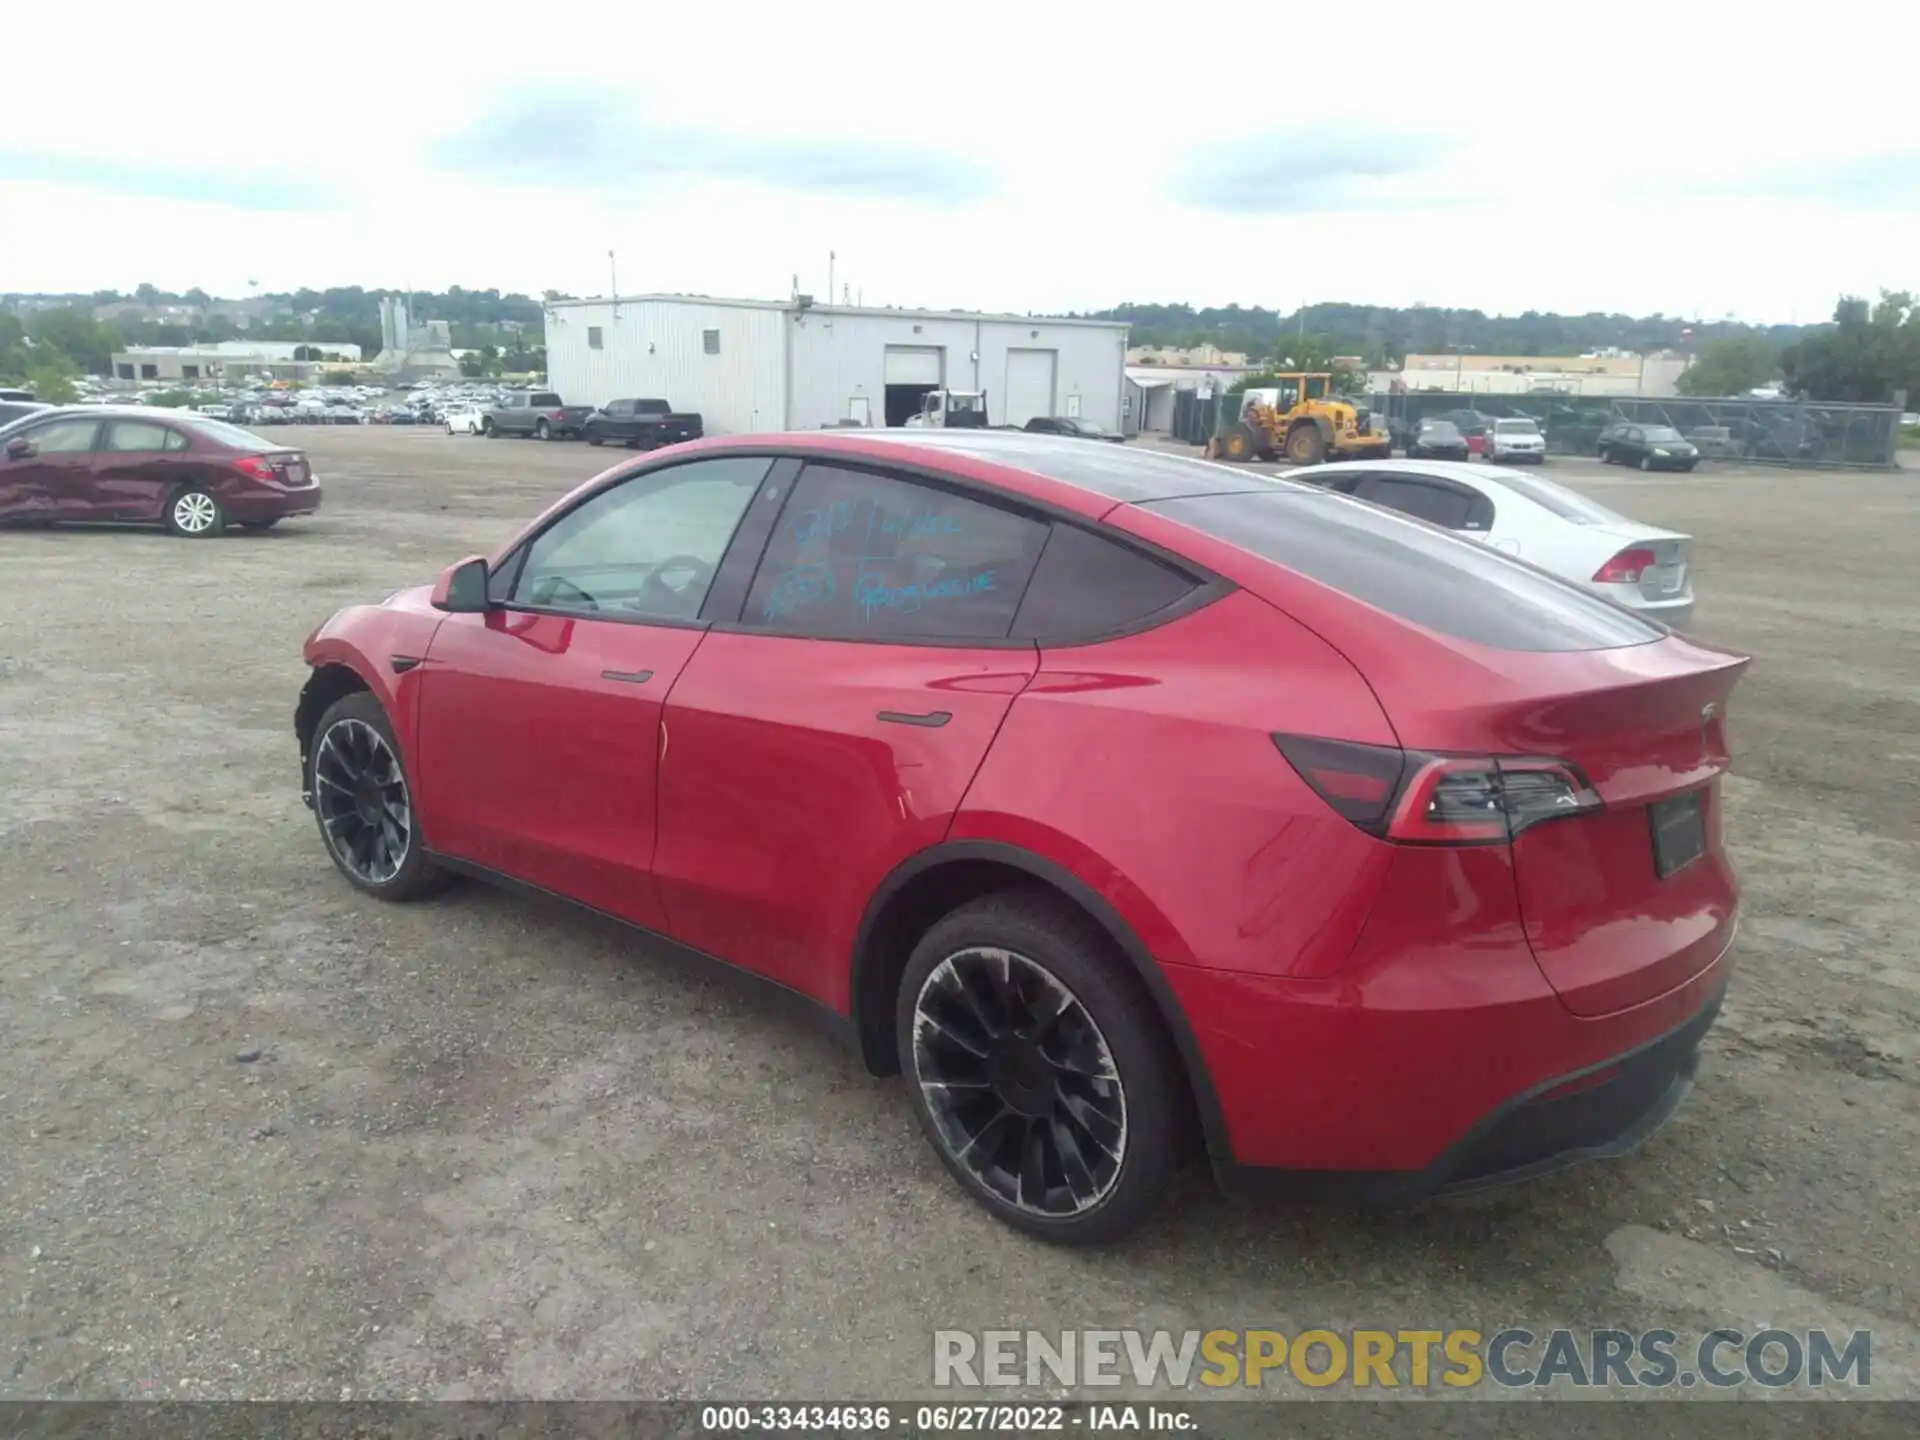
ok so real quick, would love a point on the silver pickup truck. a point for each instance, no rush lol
(538, 413)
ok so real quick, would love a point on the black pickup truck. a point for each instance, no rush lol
(647, 424)
(538, 413)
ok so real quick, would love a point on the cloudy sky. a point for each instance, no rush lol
(1688, 157)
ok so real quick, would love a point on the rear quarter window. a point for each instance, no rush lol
(1445, 584)
(1085, 586)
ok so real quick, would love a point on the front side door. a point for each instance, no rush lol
(137, 463)
(539, 722)
(834, 732)
(46, 472)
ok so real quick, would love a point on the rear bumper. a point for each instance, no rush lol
(272, 503)
(1676, 610)
(1599, 1112)
(1433, 1070)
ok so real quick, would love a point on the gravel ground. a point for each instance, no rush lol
(263, 1138)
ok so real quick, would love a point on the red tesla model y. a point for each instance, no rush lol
(1113, 797)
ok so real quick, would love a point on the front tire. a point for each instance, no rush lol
(486, 429)
(194, 514)
(1039, 1071)
(541, 432)
(363, 802)
(1646, 462)
(1306, 445)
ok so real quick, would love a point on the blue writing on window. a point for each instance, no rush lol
(918, 526)
(874, 595)
(824, 523)
(799, 586)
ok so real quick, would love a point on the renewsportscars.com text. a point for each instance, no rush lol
(1388, 1359)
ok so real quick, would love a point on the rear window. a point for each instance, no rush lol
(1567, 504)
(1448, 585)
(225, 434)
(544, 398)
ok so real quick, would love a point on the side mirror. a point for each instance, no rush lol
(19, 448)
(462, 587)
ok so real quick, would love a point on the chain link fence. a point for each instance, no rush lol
(1759, 432)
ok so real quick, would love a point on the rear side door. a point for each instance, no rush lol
(47, 472)
(834, 729)
(539, 720)
(137, 463)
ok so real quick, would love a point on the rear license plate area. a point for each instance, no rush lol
(1679, 832)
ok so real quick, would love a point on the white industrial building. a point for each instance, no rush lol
(760, 365)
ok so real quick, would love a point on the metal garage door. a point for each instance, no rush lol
(1029, 386)
(914, 364)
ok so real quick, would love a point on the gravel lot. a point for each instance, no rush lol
(264, 1138)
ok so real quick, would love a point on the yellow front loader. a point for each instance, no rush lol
(1297, 420)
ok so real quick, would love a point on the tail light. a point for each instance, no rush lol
(557, 415)
(1419, 799)
(258, 466)
(1626, 567)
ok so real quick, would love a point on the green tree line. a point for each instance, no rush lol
(1870, 351)
(45, 348)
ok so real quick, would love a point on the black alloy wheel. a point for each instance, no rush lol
(1039, 1071)
(363, 802)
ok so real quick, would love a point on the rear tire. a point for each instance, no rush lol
(486, 429)
(194, 514)
(594, 440)
(1606, 456)
(1018, 992)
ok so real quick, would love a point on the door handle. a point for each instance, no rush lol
(627, 677)
(931, 718)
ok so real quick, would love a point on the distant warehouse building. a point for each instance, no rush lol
(750, 365)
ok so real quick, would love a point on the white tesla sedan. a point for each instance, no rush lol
(1641, 566)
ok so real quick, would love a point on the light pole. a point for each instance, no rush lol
(1459, 361)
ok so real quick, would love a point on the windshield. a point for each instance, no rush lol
(1516, 427)
(1661, 432)
(1567, 504)
(957, 403)
(1087, 427)
(1443, 429)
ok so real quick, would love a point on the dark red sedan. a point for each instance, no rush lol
(193, 474)
(1108, 794)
